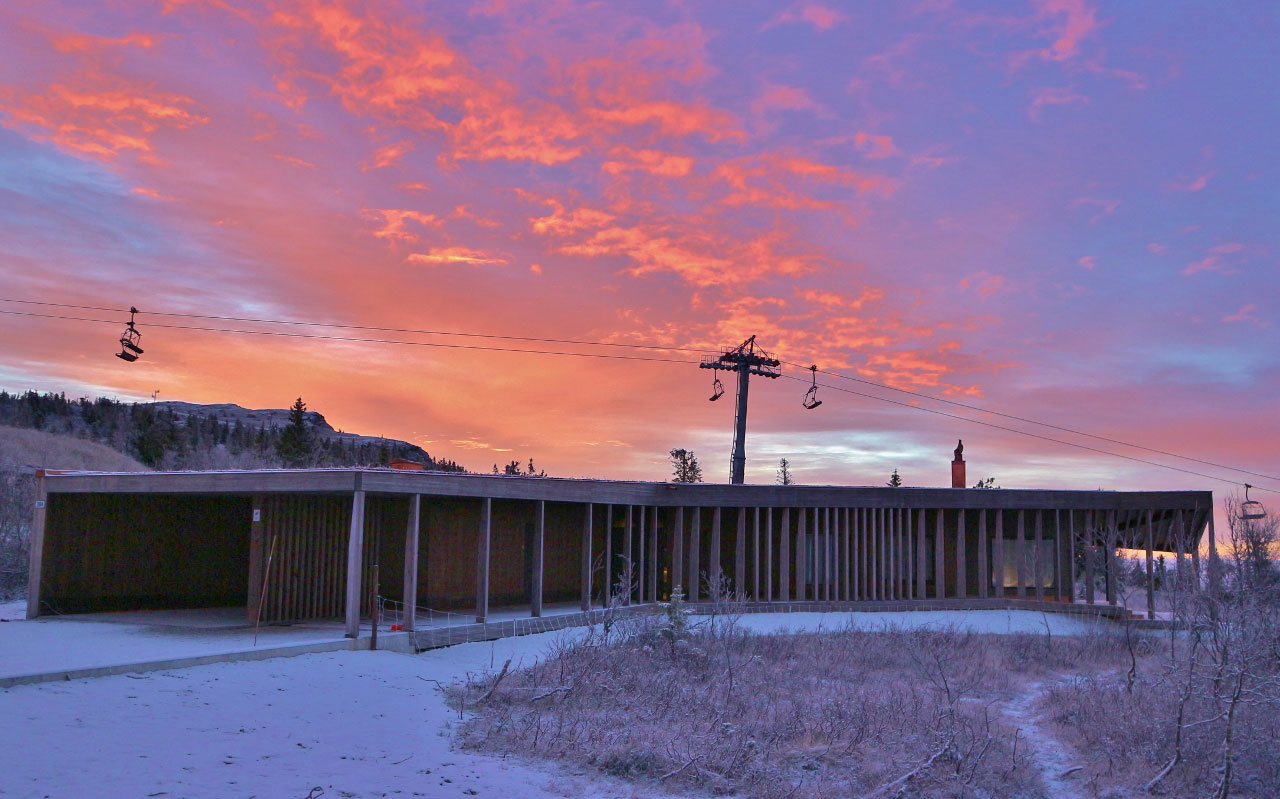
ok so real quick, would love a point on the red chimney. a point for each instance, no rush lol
(957, 467)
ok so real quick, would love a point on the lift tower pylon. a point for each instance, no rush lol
(746, 359)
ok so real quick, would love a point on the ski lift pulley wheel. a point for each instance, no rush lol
(811, 400)
(717, 388)
(1251, 508)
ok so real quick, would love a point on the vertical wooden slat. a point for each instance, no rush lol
(1020, 553)
(35, 546)
(713, 562)
(998, 556)
(1039, 557)
(1151, 586)
(694, 541)
(628, 564)
(606, 589)
(641, 571)
(802, 555)
(584, 601)
(1090, 575)
(922, 556)
(984, 580)
(653, 554)
(677, 552)
(537, 578)
(755, 555)
(740, 556)
(784, 556)
(768, 555)
(1110, 556)
(939, 557)
(962, 570)
(355, 550)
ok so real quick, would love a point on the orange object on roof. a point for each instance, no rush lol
(405, 465)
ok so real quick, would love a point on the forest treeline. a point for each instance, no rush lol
(161, 438)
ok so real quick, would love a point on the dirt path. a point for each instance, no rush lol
(1047, 754)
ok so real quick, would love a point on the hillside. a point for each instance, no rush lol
(40, 449)
(183, 435)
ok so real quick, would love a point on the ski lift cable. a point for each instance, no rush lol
(354, 339)
(1032, 435)
(1025, 420)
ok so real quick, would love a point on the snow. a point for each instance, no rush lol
(12, 611)
(356, 724)
(999, 622)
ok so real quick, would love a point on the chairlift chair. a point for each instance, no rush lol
(1251, 508)
(811, 400)
(717, 388)
(129, 340)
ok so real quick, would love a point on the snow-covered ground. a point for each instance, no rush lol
(354, 724)
(12, 611)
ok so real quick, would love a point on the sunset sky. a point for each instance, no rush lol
(1061, 210)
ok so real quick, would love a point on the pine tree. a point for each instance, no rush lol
(296, 445)
(784, 473)
(685, 468)
(894, 480)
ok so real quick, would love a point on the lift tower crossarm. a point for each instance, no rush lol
(745, 359)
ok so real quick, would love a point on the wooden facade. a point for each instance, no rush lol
(290, 545)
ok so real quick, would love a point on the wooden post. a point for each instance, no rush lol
(355, 549)
(257, 554)
(962, 570)
(606, 589)
(802, 556)
(755, 554)
(846, 554)
(922, 557)
(677, 552)
(694, 570)
(584, 601)
(740, 556)
(879, 562)
(1037, 565)
(891, 552)
(653, 554)
(35, 552)
(1113, 529)
(482, 560)
(908, 554)
(1020, 555)
(713, 567)
(998, 555)
(1090, 539)
(1071, 556)
(939, 557)
(410, 596)
(1151, 585)
(539, 549)
(629, 565)
(768, 554)
(1214, 576)
(984, 579)
(639, 555)
(784, 557)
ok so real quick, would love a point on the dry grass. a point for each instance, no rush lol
(724, 711)
(24, 447)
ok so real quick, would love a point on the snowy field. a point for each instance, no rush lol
(352, 724)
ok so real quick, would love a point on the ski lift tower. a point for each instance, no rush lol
(746, 359)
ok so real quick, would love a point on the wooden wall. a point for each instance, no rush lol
(122, 552)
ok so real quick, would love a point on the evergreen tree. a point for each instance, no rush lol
(685, 468)
(784, 473)
(990, 482)
(296, 445)
(894, 480)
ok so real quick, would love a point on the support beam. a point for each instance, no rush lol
(997, 554)
(539, 555)
(713, 567)
(882, 554)
(355, 548)
(1071, 556)
(755, 554)
(784, 556)
(908, 551)
(410, 593)
(35, 552)
(258, 547)
(740, 556)
(584, 601)
(802, 556)
(891, 552)
(962, 570)
(1037, 565)
(606, 587)
(653, 555)
(939, 557)
(694, 571)
(1090, 542)
(1020, 554)
(482, 560)
(1151, 584)
(629, 564)
(1215, 576)
(677, 552)
(922, 557)
(846, 555)
(768, 555)
(1113, 529)
(984, 579)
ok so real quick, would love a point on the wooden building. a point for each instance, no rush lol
(307, 543)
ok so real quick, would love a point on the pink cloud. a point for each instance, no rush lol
(1088, 261)
(1198, 184)
(1245, 314)
(985, 283)
(783, 98)
(875, 146)
(1156, 247)
(454, 255)
(820, 17)
(1046, 96)
(387, 155)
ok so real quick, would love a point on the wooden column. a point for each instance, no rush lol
(1214, 572)
(878, 560)
(694, 570)
(962, 566)
(584, 600)
(891, 552)
(939, 557)
(713, 568)
(755, 554)
(846, 555)
(1112, 531)
(997, 555)
(653, 554)
(1062, 546)
(677, 552)
(922, 557)
(859, 554)
(768, 554)
(640, 572)
(984, 579)
(355, 548)
(1151, 584)
(908, 553)
(629, 557)
(784, 556)
(1071, 556)
(802, 555)
(1037, 565)
(258, 546)
(411, 563)
(606, 589)
(1090, 539)
(1020, 554)
(35, 550)
(482, 560)
(1179, 543)
(539, 556)
(740, 557)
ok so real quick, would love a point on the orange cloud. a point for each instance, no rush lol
(454, 255)
(820, 17)
(562, 223)
(783, 98)
(655, 162)
(387, 155)
(393, 223)
(985, 283)
(768, 181)
(875, 146)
